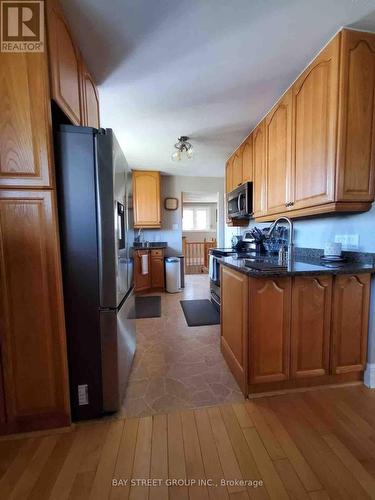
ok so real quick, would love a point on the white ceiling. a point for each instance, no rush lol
(209, 69)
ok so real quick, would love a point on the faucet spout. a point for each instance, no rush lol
(290, 233)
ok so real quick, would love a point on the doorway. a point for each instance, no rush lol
(199, 229)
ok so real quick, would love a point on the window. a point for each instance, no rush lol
(196, 219)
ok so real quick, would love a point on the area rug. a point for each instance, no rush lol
(200, 312)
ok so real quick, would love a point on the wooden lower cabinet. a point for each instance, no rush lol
(155, 276)
(299, 331)
(310, 326)
(157, 269)
(32, 327)
(234, 323)
(141, 281)
(269, 345)
(350, 316)
(2, 397)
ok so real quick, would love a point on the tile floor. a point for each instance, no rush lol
(177, 366)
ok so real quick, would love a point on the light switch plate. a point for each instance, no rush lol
(174, 227)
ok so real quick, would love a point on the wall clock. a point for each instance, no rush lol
(171, 203)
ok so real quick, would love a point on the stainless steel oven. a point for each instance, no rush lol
(240, 202)
(214, 273)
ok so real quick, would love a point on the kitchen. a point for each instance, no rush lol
(102, 375)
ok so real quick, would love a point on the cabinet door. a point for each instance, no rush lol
(259, 170)
(351, 295)
(247, 160)
(146, 192)
(157, 272)
(25, 125)
(32, 320)
(269, 316)
(141, 281)
(2, 399)
(90, 99)
(315, 103)
(234, 327)
(356, 154)
(229, 175)
(311, 317)
(278, 155)
(64, 64)
(237, 169)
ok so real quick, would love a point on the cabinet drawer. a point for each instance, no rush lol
(157, 252)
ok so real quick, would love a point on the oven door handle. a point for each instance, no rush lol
(239, 202)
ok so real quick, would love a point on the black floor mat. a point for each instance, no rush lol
(148, 307)
(200, 312)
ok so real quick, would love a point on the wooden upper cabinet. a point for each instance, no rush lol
(237, 169)
(25, 125)
(89, 99)
(229, 175)
(350, 316)
(247, 160)
(314, 132)
(269, 318)
(146, 199)
(356, 155)
(64, 64)
(234, 327)
(311, 318)
(259, 195)
(278, 133)
(32, 329)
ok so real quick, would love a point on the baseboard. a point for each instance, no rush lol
(369, 376)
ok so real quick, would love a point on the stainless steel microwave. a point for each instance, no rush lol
(240, 202)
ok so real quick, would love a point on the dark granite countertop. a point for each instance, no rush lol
(151, 245)
(300, 267)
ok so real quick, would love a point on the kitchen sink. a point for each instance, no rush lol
(150, 244)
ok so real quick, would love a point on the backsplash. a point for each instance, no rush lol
(316, 231)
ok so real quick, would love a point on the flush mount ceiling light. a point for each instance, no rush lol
(184, 149)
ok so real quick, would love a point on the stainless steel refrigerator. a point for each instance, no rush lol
(96, 231)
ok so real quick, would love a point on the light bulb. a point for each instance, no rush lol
(190, 153)
(176, 155)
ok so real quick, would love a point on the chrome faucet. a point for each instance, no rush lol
(290, 233)
(139, 236)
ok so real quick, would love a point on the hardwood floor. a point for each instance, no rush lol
(312, 445)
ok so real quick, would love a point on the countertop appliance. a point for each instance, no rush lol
(240, 202)
(94, 188)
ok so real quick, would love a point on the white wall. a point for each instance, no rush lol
(173, 186)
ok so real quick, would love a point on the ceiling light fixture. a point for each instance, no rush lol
(184, 151)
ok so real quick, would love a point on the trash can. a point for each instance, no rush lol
(172, 274)
(182, 270)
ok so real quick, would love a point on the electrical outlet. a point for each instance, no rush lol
(83, 394)
(348, 241)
